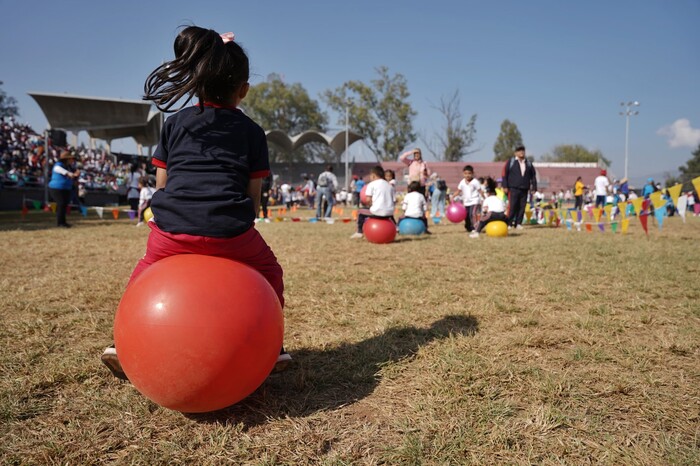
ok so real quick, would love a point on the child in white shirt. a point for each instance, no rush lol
(470, 190)
(145, 195)
(414, 204)
(380, 195)
(493, 208)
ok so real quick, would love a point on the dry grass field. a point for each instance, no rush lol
(545, 347)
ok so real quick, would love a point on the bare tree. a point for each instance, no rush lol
(453, 143)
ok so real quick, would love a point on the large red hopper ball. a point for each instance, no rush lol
(198, 333)
(379, 230)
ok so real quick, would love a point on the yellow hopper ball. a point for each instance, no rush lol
(496, 229)
(147, 215)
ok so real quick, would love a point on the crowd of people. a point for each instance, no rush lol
(22, 161)
(22, 165)
(485, 199)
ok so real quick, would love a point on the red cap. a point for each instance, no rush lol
(603, 172)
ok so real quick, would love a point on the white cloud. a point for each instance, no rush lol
(681, 134)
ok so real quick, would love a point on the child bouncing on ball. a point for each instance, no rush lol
(210, 163)
(380, 196)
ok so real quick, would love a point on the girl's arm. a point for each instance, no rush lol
(161, 178)
(254, 190)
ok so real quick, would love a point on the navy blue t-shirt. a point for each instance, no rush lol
(209, 158)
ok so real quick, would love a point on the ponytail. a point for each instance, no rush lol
(204, 66)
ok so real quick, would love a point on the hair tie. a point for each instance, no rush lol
(227, 37)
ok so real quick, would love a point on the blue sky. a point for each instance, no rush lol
(558, 69)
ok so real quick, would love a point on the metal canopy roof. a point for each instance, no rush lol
(110, 119)
(102, 118)
(289, 144)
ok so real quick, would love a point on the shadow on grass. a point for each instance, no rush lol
(404, 238)
(327, 379)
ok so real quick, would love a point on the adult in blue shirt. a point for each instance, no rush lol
(61, 186)
(648, 188)
(358, 183)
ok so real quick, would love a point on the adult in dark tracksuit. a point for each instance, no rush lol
(519, 178)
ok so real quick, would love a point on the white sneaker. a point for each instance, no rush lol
(474, 234)
(267, 220)
(140, 224)
(283, 361)
(111, 360)
(356, 235)
(519, 227)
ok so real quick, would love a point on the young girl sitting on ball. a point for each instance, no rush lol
(414, 204)
(211, 160)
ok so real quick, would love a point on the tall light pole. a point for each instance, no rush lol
(627, 112)
(347, 154)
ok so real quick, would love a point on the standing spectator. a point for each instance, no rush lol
(624, 189)
(265, 188)
(417, 169)
(437, 198)
(357, 184)
(132, 187)
(326, 186)
(286, 191)
(146, 190)
(649, 188)
(61, 186)
(578, 194)
(567, 197)
(691, 203)
(390, 177)
(309, 192)
(602, 187)
(519, 177)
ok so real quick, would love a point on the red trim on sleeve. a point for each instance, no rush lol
(259, 174)
(158, 163)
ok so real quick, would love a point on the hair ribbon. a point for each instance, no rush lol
(227, 37)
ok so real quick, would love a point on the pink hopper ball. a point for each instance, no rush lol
(456, 213)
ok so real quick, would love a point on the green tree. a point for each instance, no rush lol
(691, 170)
(8, 105)
(671, 180)
(575, 153)
(380, 112)
(274, 104)
(454, 142)
(508, 139)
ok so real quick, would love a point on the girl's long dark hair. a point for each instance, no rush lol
(204, 67)
(490, 185)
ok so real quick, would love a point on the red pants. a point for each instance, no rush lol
(249, 248)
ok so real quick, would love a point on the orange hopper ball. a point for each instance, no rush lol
(198, 333)
(379, 231)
